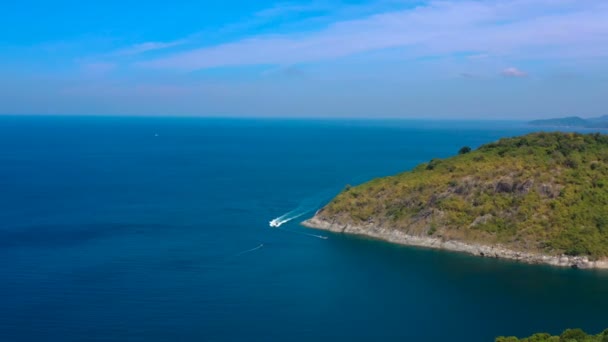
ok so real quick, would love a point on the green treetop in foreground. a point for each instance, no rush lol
(570, 335)
(542, 192)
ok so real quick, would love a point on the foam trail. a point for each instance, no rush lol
(250, 250)
(279, 221)
(301, 233)
(284, 216)
(306, 206)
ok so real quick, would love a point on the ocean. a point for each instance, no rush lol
(157, 229)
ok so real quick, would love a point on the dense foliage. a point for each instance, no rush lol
(570, 335)
(544, 192)
(464, 150)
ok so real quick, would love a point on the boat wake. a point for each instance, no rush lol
(281, 220)
(306, 234)
(306, 206)
(250, 250)
(292, 215)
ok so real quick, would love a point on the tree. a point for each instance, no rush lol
(573, 334)
(464, 150)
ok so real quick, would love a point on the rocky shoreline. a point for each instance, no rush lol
(400, 237)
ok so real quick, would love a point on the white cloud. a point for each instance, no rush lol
(287, 9)
(513, 72)
(516, 28)
(147, 46)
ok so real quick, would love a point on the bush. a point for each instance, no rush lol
(433, 229)
(507, 339)
(573, 334)
(433, 164)
(572, 162)
(464, 150)
(570, 335)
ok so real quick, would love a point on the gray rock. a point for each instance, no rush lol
(497, 251)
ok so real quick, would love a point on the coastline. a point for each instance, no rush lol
(499, 252)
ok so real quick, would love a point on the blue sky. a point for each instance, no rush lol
(492, 59)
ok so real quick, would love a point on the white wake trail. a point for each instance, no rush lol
(285, 216)
(250, 250)
(281, 220)
(302, 233)
(306, 206)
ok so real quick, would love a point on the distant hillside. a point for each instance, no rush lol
(538, 198)
(573, 121)
(601, 118)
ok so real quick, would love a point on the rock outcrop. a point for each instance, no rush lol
(490, 251)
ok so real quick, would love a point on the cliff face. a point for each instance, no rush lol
(538, 198)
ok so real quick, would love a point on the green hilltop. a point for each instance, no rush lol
(543, 192)
(570, 335)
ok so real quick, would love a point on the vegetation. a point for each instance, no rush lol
(542, 192)
(570, 335)
(465, 150)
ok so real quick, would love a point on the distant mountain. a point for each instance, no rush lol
(601, 118)
(573, 121)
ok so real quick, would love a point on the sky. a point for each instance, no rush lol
(448, 59)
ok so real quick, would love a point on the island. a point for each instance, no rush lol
(573, 121)
(540, 198)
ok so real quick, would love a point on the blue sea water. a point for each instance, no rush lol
(156, 229)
